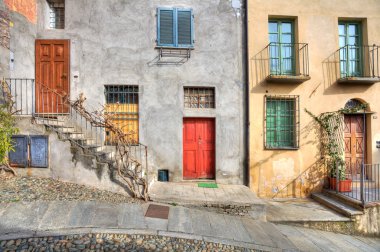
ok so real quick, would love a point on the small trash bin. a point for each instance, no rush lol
(163, 175)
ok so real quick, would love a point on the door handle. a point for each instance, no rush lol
(64, 76)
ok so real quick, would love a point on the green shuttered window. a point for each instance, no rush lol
(175, 27)
(281, 122)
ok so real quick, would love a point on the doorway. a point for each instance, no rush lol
(198, 148)
(52, 76)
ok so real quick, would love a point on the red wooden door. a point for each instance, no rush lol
(354, 146)
(198, 148)
(52, 76)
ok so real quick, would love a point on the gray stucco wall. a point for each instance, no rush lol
(113, 42)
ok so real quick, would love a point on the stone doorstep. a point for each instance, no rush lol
(336, 205)
(344, 199)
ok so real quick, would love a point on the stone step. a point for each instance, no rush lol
(84, 141)
(336, 205)
(93, 148)
(343, 198)
(106, 155)
(76, 135)
(51, 121)
(65, 129)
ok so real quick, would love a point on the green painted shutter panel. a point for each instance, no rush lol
(280, 124)
(184, 27)
(166, 28)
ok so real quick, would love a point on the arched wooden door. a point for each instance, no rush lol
(354, 143)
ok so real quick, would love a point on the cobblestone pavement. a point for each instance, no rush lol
(113, 242)
(29, 189)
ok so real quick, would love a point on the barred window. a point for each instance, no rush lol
(122, 105)
(57, 14)
(281, 122)
(199, 97)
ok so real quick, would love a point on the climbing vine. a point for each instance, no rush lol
(7, 128)
(331, 124)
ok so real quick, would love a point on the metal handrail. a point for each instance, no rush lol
(286, 59)
(54, 109)
(359, 61)
(360, 182)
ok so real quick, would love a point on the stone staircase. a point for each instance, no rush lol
(339, 203)
(84, 147)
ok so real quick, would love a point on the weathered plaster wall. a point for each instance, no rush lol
(113, 42)
(369, 222)
(295, 173)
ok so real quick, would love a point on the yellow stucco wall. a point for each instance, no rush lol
(296, 173)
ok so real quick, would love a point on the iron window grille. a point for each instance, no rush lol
(199, 97)
(282, 122)
(57, 14)
(122, 107)
(175, 27)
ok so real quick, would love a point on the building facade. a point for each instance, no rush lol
(172, 70)
(319, 56)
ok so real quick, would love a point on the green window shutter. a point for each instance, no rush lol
(280, 123)
(166, 30)
(184, 29)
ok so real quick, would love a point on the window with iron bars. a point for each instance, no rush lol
(282, 123)
(122, 105)
(57, 14)
(199, 97)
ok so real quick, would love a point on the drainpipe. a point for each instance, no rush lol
(246, 101)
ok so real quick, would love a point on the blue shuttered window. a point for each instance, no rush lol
(175, 27)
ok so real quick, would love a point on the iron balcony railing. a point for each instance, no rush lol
(287, 59)
(357, 181)
(359, 61)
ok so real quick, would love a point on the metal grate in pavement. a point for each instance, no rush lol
(157, 211)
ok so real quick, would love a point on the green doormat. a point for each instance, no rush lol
(208, 185)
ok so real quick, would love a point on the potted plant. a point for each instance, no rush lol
(337, 170)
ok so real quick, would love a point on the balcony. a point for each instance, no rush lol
(358, 64)
(285, 62)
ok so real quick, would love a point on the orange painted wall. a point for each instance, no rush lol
(27, 8)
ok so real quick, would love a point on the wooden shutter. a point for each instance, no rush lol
(166, 27)
(184, 22)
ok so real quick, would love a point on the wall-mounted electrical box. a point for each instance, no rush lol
(378, 144)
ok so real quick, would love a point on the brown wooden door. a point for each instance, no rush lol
(354, 143)
(198, 148)
(52, 76)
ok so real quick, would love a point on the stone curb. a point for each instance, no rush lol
(74, 231)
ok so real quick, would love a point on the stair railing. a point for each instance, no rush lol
(55, 110)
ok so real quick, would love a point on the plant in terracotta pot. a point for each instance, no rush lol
(337, 170)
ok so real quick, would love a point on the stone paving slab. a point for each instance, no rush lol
(82, 214)
(57, 215)
(59, 218)
(190, 193)
(297, 210)
(131, 216)
(315, 240)
(179, 220)
(22, 216)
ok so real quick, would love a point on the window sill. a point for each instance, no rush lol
(297, 79)
(359, 80)
(282, 148)
(174, 48)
